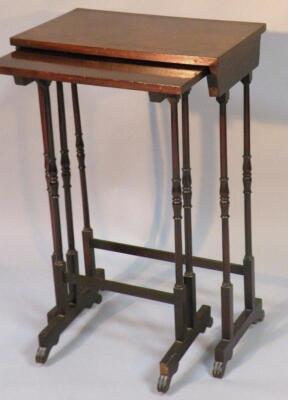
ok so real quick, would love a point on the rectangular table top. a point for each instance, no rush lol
(157, 78)
(140, 37)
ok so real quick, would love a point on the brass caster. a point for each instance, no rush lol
(219, 369)
(42, 355)
(164, 383)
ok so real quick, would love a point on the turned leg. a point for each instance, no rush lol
(249, 278)
(72, 255)
(248, 262)
(253, 312)
(179, 289)
(188, 323)
(87, 233)
(68, 304)
(226, 288)
(167, 369)
(189, 277)
(59, 267)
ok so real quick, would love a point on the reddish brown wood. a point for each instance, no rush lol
(162, 255)
(72, 254)
(179, 288)
(164, 56)
(249, 276)
(139, 36)
(218, 45)
(226, 288)
(189, 276)
(59, 266)
(253, 312)
(87, 232)
(156, 78)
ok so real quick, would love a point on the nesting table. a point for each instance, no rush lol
(165, 57)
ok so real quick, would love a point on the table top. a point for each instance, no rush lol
(140, 37)
(157, 78)
(227, 51)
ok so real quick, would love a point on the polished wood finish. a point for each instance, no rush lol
(187, 182)
(253, 312)
(87, 232)
(170, 362)
(59, 266)
(84, 289)
(101, 283)
(227, 288)
(162, 255)
(101, 72)
(139, 36)
(165, 57)
(71, 255)
(189, 276)
(249, 276)
(179, 288)
(218, 45)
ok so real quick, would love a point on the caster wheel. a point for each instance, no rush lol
(42, 355)
(98, 299)
(219, 369)
(163, 383)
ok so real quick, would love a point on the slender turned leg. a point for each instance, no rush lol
(72, 255)
(87, 232)
(227, 288)
(249, 280)
(186, 327)
(59, 267)
(179, 289)
(68, 305)
(253, 312)
(249, 271)
(166, 373)
(189, 277)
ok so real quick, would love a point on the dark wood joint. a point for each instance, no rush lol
(19, 80)
(223, 99)
(157, 97)
(173, 99)
(43, 83)
(247, 79)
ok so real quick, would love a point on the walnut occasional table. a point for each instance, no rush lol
(164, 56)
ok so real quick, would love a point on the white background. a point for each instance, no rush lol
(114, 349)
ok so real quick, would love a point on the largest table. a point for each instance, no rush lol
(164, 56)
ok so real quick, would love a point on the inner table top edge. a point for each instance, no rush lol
(116, 53)
(10, 68)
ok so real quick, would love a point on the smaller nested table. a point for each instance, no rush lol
(165, 57)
